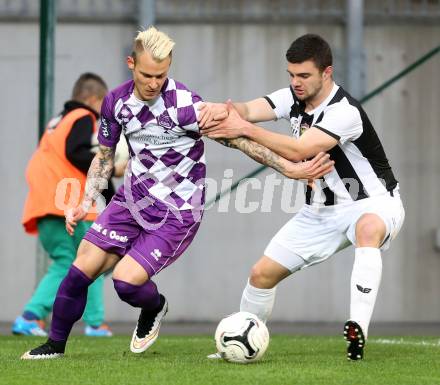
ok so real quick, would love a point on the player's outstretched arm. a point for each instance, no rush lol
(308, 145)
(211, 114)
(99, 173)
(317, 167)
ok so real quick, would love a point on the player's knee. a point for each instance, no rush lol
(86, 264)
(261, 278)
(370, 231)
(128, 270)
(121, 273)
(125, 290)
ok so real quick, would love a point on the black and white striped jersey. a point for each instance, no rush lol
(361, 169)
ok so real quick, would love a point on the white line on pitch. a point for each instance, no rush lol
(403, 342)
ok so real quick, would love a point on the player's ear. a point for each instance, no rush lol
(328, 72)
(130, 62)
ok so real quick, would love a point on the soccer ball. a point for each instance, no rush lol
(242, 338)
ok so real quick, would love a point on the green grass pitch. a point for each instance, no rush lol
(176, 360)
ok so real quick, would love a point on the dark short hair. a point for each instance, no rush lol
(89, 84)
(310, 47)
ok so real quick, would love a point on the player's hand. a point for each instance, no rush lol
(211, 114)
(312, 169)
(230, 128)
(73, 216)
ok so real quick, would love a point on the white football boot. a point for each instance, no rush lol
(147, 328)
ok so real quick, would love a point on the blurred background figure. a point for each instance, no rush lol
(65, 151)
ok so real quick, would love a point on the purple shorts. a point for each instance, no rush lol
(154, 236)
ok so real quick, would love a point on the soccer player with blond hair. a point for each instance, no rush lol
(156, 213)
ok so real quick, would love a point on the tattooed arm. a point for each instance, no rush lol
(309, 170)
(99, 173)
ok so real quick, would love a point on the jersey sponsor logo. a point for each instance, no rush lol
(298, 127)
(112, 234)
(364, 290)
(295, 126)
(97, 227)
(121, 238)
(164, 120)
(152, 138)
(156, 254)
(303, 127)
(104, 128)
(125, 115)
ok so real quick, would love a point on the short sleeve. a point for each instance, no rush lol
(109, 128)
(187, 106)
(341, 121)
(281, 101)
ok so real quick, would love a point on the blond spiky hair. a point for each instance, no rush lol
(155, 42)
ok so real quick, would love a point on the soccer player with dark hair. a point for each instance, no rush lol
(156, 213)
(358, 203)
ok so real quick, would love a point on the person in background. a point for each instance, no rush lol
(60, 165)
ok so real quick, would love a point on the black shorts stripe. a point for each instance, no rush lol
(329, 196)
(309, 194)
(385, 240)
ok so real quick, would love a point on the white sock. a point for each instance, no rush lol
(365, 282)
(258, 301)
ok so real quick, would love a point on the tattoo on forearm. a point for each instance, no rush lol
(99, 173)
(257, 152)
(227, 142)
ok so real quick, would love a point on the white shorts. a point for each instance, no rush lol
(315, 234)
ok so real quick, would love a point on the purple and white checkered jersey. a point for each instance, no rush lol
(166, 149)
